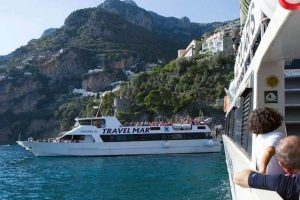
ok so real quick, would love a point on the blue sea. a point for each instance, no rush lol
(170, 177)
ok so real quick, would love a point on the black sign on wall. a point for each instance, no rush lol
(271, 96)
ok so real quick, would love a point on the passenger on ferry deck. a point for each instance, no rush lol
(288, 187)
(263, 122)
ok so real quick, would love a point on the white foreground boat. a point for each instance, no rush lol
(266, 74)
(105, 136)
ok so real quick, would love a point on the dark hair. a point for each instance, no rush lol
(264, 120)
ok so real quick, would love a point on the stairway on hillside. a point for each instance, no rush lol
(292, 97)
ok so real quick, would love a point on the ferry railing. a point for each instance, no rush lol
(236, 161)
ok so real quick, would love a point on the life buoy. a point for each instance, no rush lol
(290, 4)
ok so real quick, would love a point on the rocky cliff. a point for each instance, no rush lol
(97, 81)
(19, 96)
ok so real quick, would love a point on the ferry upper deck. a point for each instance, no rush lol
(266, 74)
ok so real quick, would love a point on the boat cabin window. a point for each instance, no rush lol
(99, 123)
(155, 137)
(236, 126)
(177, 136)
(155, 128)
(67, 137)
(78, 137)
(84, 122)
(73, 138)
(201, 127)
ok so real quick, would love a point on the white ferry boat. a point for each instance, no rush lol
(266, 74)
(105, 136)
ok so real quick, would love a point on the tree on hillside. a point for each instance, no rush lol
(67, 113)
(107, 104)
(159, 101)
(182, 65)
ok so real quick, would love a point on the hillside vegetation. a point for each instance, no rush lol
(181, 88)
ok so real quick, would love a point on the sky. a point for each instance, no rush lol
(23, 20)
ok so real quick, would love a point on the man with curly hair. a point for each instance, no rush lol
(264, 122)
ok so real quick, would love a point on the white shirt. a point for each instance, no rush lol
(262, 142)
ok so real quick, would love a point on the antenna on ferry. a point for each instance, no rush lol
(19, 139)
(99, 113)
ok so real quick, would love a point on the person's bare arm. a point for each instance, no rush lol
(241, 178)
(270, 151)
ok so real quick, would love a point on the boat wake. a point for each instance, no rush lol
(223, 190)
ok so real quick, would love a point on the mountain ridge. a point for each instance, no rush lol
(184, 29)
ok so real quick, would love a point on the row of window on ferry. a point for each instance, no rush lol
(143, 137)
(155, 137)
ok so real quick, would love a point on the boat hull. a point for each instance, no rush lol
(121, 148)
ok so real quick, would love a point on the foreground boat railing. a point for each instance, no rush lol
(237, 161)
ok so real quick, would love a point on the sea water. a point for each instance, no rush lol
(181, 176)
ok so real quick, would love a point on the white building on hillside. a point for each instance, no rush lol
(189, 51)
(222, 40)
